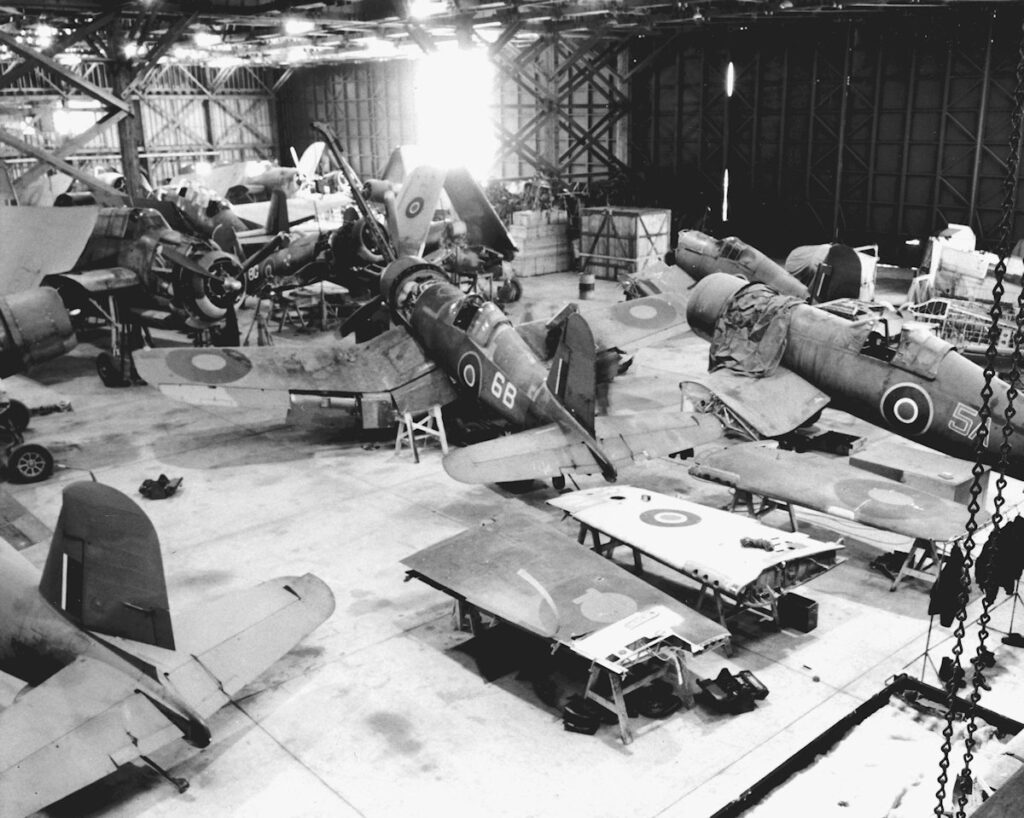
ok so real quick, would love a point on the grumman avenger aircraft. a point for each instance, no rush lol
(448, 343)
(109, 678)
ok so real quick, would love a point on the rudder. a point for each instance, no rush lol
(104, 571)
(573, 375)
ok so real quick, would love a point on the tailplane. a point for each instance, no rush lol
(573, 375)
(104, 571)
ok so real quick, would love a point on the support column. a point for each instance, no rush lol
(129, 132)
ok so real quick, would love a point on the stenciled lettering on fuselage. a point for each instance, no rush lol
(488, 383)
(965, 421)
(907, 408)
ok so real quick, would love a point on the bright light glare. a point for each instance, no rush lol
(206, 39)
(294, 26)
(454, 96)
(419, 9)
(730, 79)
(44, 35)
(71, 123)
(202, 168)
(725, 195)
(130, 50)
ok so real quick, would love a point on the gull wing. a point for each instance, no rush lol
(39, 241)
(392, 363)
(550, 451)
(76, 727)
(836, 488)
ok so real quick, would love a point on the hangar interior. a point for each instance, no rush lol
(538, 408)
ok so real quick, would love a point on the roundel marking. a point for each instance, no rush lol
(669, 518)
(882, 499)
(606, 606)
(208, 365)
(908, 408)
(469, 370)
(414, 208)
(645, 313)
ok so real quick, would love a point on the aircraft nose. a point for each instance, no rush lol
(707, 299)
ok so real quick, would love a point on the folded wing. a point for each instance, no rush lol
(392, 363)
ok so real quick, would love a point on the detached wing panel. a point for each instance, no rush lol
(391, 363)
(551, 451)
(78, 726)
(230, 641)
(834, 487)
(39, 241)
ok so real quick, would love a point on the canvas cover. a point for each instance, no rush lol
(750, 334)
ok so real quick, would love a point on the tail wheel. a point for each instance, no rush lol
(29, 463)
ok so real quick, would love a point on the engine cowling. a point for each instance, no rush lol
(208, 298)
(34, 327)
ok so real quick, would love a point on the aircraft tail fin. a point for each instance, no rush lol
(277, 214)
(104, 571)
(572, 378)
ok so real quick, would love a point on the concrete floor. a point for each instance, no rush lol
(383, 710)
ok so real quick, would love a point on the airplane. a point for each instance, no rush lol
(124, 264)
(244, 181)
(110, 678)
(448, 344)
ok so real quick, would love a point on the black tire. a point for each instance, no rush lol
(29, 463)
(109, 371)
(16, 415)
(558, 483)
(511, 291)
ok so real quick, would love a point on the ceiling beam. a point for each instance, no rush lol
(68, 147)
(25, 67)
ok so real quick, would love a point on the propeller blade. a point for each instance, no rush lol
(227, 240)
(183, 261)
(361, 316)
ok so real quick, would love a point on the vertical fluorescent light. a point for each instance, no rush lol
(454, 97)
(725, 195)
(730, 78)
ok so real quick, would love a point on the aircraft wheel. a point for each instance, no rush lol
(29, 463)
(109, 371)
(558, 483)
(16, 414)
(511, 291)
(518, 486)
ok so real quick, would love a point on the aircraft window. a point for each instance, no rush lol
(730, 250)
(488, 317)
(467, 311)
(878, 343)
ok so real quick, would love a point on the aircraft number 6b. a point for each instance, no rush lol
(503, 390)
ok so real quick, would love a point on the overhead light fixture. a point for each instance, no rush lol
(295, 26)
(785, 4)
(206, 39)
(69, 59)
(130, 50)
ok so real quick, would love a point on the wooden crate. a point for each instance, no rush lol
(543, 244)
(623, 239)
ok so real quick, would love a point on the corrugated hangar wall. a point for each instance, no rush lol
(876, 130)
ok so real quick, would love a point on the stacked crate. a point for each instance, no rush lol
(543, 241)
(623, 240)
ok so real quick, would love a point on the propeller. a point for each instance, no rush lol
(183, 261)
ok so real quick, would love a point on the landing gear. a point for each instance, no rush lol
(28, 463)
(510, 291)
(110, 371)
(558, 483)
(16, 415)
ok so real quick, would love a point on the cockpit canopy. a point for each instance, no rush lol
(479, 318)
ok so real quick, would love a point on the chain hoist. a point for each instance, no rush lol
(980, 442)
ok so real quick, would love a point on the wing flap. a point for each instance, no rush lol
(230, 641)
(550, 451)
(78, 726)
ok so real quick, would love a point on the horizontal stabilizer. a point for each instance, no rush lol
(229, 641)
(773, 406)
(551, 451)
(76, 727)
(104, 571)
(831, 485)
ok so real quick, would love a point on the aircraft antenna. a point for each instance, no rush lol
(1006, 220)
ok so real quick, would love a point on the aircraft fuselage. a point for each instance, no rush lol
(912, 383)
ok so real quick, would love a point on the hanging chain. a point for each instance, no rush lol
(981, 439)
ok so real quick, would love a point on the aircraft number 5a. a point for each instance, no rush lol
(504, 390)
(964, 421)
